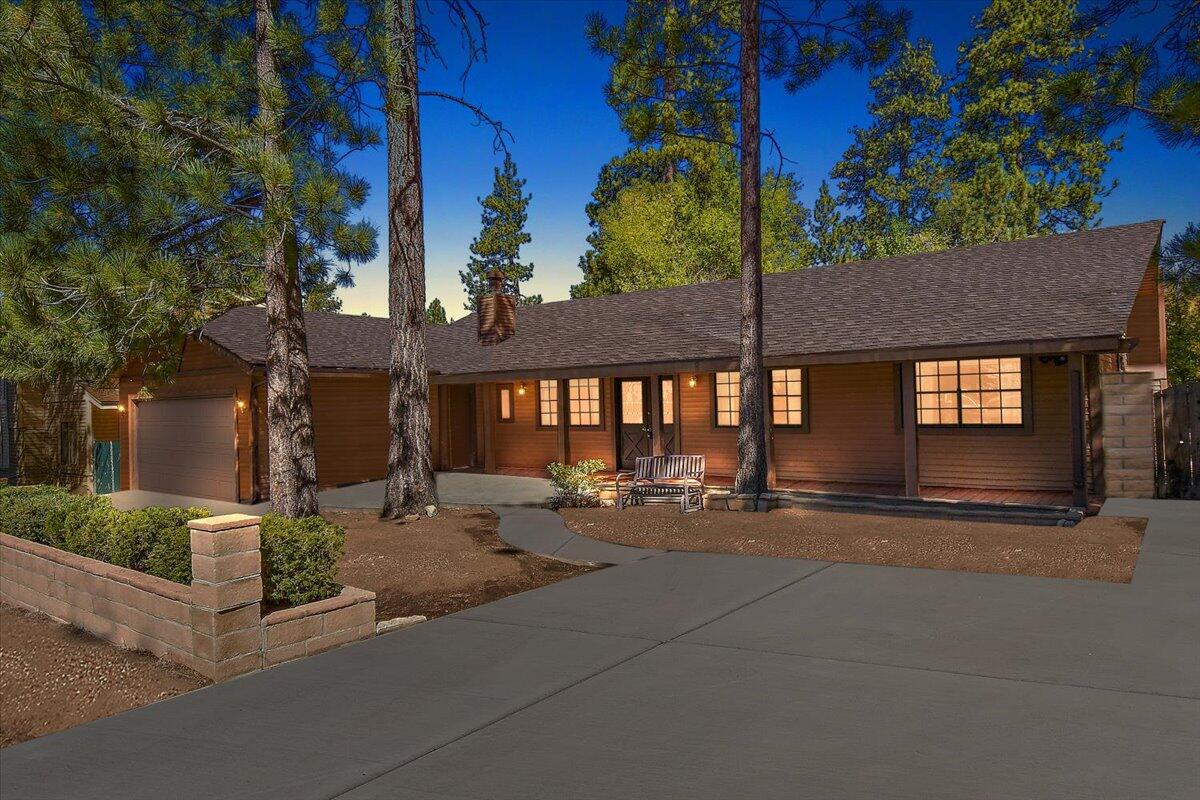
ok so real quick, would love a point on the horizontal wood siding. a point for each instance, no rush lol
(853, 435)
(700, 435)
(1016, 460)
(105, 424)
(1148, 323)
(350, 428)
(598, 443)
(520, 444)
(203, 372)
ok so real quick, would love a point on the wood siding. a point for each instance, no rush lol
(700, 435)
(1037, 459)
(1148, 323)
(520, 444)
(853, 435)
(106, 424)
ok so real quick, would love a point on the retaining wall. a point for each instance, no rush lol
(215, 626)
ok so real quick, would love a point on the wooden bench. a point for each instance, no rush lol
(663, 476)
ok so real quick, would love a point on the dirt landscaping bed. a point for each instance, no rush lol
(1098, 548)
(54, 676)
(437, 566)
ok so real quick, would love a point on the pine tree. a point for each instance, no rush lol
(893, 171)
(1181, 274)
(498, 245)
(435, 313)
(832, 236)
(1015, 158)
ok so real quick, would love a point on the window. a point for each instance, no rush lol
(583, 395)
(548, 403)
(787, 397)
(504, 402)
(970, 392)
(727, 390)
(668, 401)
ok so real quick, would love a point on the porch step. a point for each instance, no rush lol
(1063, 516)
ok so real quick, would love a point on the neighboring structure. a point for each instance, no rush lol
(67, 434)
(968, 373)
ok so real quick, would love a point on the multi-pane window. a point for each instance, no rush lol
(977, 391)
(727, 391)
(547, 403)
(504, 402)
(584, 398)
(787, 397)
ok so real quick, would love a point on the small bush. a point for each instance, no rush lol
(577, 486)
(151, 540)
(300, 558)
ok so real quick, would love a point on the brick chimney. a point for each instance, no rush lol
(497, 311)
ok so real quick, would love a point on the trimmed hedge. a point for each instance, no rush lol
(299, 556)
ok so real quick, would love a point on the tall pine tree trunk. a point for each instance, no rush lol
(752, 441)
(293, 466)
(410, 483)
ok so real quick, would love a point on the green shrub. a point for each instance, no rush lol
(300, 558)
(151, 540)
(577, 486)
(23, 510)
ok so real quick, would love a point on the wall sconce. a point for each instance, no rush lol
(521, 388)
(691, 381)
(241, 405)
(120, 408)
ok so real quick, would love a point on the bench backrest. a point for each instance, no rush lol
(655, 467)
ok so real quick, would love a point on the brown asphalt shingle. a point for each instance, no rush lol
(1066, 286)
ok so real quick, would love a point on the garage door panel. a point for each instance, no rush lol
(187, 446)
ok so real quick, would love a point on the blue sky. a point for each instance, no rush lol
(543, 82)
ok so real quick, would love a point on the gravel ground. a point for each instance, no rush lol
(54, 676)
(437, 566)
(1098, 548)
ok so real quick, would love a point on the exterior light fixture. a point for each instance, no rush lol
(241, 405)
(521, 388)
(691, 381)
(120, 408)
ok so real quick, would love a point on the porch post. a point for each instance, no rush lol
(489, 426)
(564, 428)
(1075, 398)
(656, 430)
(443, 432)
(769, 429)
(908, 402)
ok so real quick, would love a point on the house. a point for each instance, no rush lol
(64, 433)
(979, 372)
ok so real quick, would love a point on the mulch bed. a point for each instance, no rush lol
(1098, 548)
(439, 565)
(54, 676)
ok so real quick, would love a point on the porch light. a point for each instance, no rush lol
(691, 381)
(521, 388)
(120, 408)
(241, 405)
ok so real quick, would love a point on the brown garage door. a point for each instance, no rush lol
(187, 446)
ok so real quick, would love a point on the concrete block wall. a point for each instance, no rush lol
(1127, 433)
(215, 626)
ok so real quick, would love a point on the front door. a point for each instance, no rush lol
(633, 420)
(462, 426)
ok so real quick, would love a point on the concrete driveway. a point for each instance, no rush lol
(454, 488)
(682, 675)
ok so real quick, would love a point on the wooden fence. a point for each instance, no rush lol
(1177, 441)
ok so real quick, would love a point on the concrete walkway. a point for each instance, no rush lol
(454, 488)
(689, 675)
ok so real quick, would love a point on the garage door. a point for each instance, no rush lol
(186, 446)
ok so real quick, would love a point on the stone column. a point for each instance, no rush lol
(1127, 429)
(227, 590)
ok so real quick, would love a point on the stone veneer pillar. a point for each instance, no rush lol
(227, 591)
(1127, 428)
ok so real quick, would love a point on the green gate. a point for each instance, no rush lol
(106, 467)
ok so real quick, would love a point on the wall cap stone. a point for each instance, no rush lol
(349, 596)
(223, 522)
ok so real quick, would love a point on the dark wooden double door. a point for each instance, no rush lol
(642, 414)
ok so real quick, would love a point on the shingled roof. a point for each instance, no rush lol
(1063, 288)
